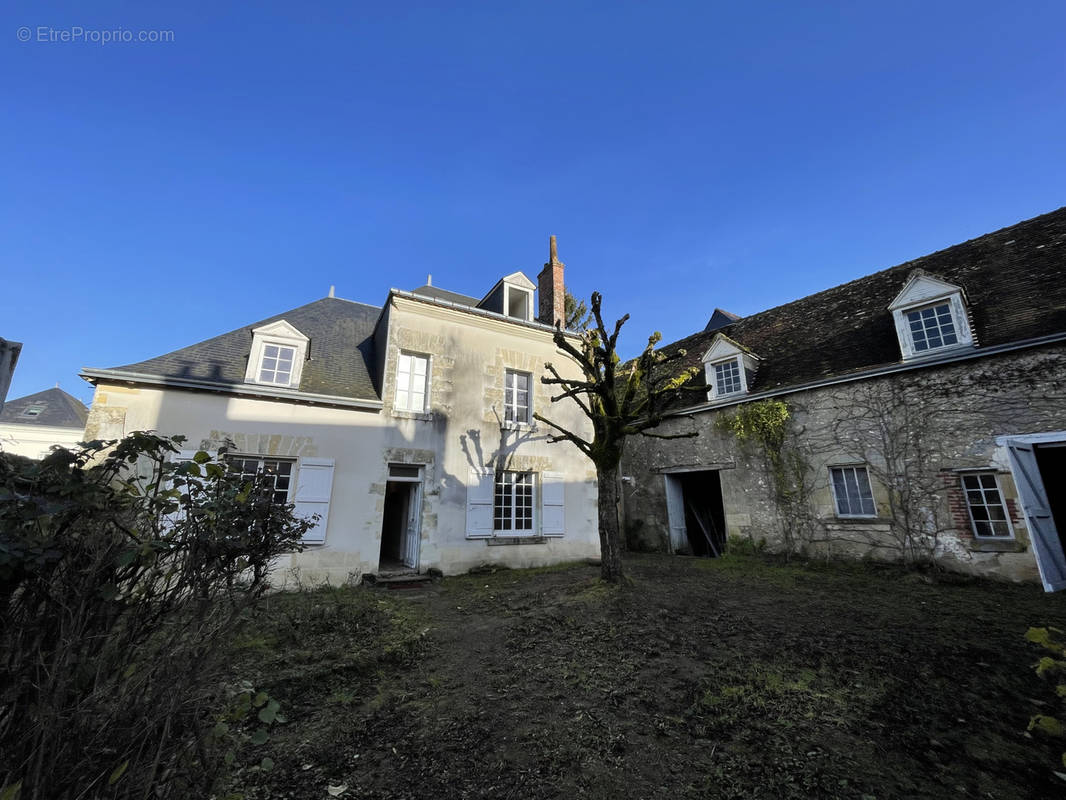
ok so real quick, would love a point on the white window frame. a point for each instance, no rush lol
(512, 395)
(736, 362)
(513, 486)
(836, 499)
(410, 380)
(280, 334)
(722, 351)
(36, 408)
(925, 291)
(1002, 503)
(507, 289)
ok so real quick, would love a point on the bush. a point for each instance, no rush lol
(122, 576)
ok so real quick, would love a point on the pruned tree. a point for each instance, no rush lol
(621, 400)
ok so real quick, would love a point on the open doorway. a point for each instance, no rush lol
(1051, 460)
(400, 519)
(697, 517)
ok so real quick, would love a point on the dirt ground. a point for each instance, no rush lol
(726, 678)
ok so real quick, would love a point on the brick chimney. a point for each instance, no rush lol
(552, 292)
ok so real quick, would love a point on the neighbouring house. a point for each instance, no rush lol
(30, 426)
(407, 428)
(926, 418)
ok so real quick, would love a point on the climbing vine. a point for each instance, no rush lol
(1051, 668)
(768, 425)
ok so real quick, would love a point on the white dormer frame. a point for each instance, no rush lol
(520, 284)
(282, 334)
(926, 291)
(723, 351)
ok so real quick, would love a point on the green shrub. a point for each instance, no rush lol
(122, 575)
(1051, 668)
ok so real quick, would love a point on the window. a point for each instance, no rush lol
(727, 378)
(277, 356)
(932, 327)
(277, 473)
(32, 411)
(516, 396)
(277, 364)
(987, 512)
(512, 505)
(851, 490)
(930, 317)
(411, 372)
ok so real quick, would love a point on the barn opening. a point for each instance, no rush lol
(697, 516)
(1051, 459)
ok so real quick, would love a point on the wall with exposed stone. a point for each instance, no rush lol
(919, 430)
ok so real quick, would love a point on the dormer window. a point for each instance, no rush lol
(930, 316)
(512, 296)
(729, 368)
(278, 354)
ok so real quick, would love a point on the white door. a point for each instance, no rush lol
(412, 535)
(675, 512)
(1042, 532)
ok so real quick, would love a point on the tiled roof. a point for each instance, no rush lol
(443, 294)
(1014, 281)
(57, 409)
(340, 353)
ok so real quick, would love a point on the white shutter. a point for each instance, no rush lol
(1045, 537)
(479, 504)
(314, 485)
(170, 520)
(552, 503)
(675, 513)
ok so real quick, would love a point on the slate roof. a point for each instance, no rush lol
(1014, 281)
(58, 410)
(443, 294)
(341, 352)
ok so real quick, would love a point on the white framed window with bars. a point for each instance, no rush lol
(852, 492)
(727, 379)
(984, 501)
(512, 504)
(412, 382)
(277, 356)
(517, 397)
(277, 473)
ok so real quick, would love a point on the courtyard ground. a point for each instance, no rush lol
(727, 678)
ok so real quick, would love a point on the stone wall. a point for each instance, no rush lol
(916, 431)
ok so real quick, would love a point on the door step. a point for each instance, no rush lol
(397, 580)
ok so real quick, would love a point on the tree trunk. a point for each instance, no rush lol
(610, 538)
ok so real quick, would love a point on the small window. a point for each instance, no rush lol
(987, 511)
(276, 366)
(851, 490)
(727, 378)
(404, 471)
(32, 411)
(277, 472)
(512, 506)
(932, 327)
(516, 396)
(411, 373)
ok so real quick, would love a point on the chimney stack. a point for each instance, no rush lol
(552, 291)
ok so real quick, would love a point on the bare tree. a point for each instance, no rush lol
(621, 400)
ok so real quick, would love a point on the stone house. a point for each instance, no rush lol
(407, 427)
(926, 418)
(30, 426)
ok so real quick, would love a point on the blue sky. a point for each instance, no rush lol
(687, 155)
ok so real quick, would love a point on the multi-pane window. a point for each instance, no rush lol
(516, 396)
(987, 512)
(274, 474)
(932, 327)
(851, 489)
(512, 504)
(411, 372)
(727, 377)
(276, 366)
